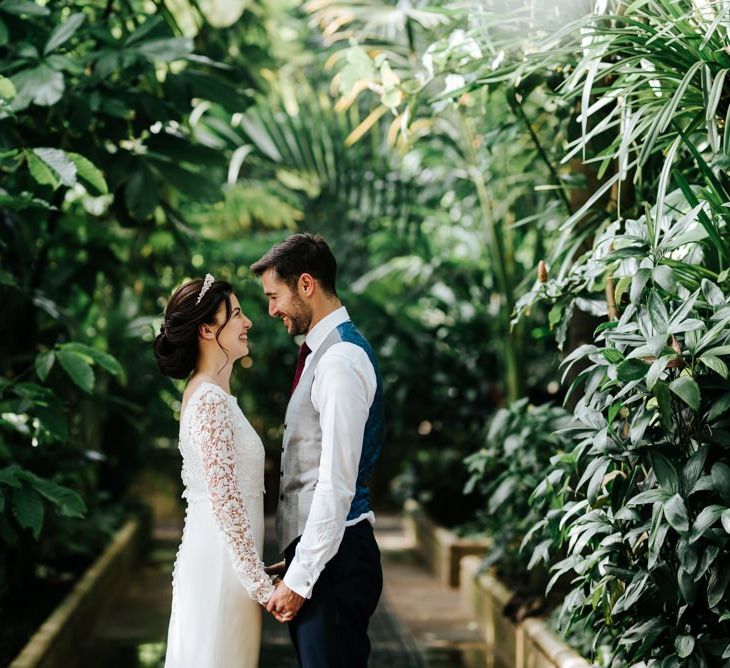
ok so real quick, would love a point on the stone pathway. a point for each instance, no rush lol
(429, 614)
(418, 623)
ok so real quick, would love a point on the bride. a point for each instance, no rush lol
(219, 583)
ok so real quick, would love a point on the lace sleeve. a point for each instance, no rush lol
(211, 428)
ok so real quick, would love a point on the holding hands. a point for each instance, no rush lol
(284, 603)
(277, 570)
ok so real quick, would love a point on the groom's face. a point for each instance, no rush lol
(286, 304)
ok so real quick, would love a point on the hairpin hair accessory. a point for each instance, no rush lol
(207, 282)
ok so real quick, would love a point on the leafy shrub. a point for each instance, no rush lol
(100, 173)
(645, 492)
(519, 443)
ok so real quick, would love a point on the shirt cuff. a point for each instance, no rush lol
(299, 580)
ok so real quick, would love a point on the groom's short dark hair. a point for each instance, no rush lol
(302, 253)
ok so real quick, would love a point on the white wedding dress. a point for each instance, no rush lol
(218, 581)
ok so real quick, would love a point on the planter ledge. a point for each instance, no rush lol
(529, 644)
(54, 644)
(440, 549)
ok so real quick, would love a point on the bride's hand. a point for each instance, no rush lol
(276, 569)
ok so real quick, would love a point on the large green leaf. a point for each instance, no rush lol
(688, 555)
(687, 585)
(665, 472)
(103, 359)
(23, 8)
(165, 50)
(657, 368)
(686, 388)
(44, 363)
(41, 85)
(632, 369)
(725, 519)
(665, 277)
(28, 509)
(719, 407)
(709, 555)
(721, 480)
(145, 28)
(90, 173)
(704, 521)
(650, 496)
(612, 355)
(63, 32)
(650, 628)
(676, 513)
(57, 160)
(78, 368)
(596, 482)
(69, 503)
(717, 584)
(263, 141)
(40, 171)
(25, 201)
(9, 476)
(664, 400)
(712, 292)
(502, 493)
(715, 364)
(684, 645)
(638, 283)
(693, 468)
(723, 351)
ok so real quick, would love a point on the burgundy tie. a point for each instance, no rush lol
(303, 352)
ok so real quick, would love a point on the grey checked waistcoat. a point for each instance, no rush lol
(302, 446)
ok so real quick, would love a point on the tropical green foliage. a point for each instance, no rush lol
(103, 170)
(474, 149)
(645, 519)
(145, 143)
(519, 444)
(623, 106)
(411, 267)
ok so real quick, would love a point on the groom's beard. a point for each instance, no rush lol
(300, 317)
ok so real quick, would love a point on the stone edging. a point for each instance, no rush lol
(54, 644)
(441, 549)
(529, 644)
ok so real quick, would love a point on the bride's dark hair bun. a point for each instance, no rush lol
(176, 346)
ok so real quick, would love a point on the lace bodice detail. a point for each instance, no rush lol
(223, 463)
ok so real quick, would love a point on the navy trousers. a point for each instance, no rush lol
(331, 628)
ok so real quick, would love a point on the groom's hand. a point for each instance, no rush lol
(284, 603)
(278, 568)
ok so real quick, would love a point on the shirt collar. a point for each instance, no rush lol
(322, 329)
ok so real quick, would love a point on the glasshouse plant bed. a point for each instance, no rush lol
(527, 644)
(55, 642)
(440, 549)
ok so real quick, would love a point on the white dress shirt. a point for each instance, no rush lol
(342, 393)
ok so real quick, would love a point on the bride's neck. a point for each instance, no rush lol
(215, 370)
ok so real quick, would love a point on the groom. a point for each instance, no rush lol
(332, 437)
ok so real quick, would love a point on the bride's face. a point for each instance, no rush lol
(233, 336)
